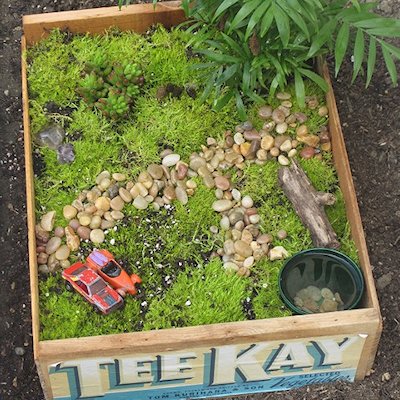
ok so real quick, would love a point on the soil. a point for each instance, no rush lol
(370, 120)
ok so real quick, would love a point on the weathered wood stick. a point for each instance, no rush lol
(309, 204)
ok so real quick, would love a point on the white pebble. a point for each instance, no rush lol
(283, 160)
(171, 160)
(247, 202)
(248, 262)
(225, 224)
(236, 194)
(238, 138)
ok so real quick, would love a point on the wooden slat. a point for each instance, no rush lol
(137, 17)
(347, 186)
(30, 205)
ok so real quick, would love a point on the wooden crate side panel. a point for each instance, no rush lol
(345, 322)
(342, 164)
(30, 205)
(138, 17)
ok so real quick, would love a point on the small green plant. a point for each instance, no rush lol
(257, 46)
(111, 87)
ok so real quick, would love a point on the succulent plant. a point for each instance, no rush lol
(111, 87)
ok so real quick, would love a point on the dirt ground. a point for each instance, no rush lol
(371, 124)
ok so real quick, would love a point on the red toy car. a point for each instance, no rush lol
(92, 287)
(102, 261)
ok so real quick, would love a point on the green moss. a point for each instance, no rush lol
(214, 298)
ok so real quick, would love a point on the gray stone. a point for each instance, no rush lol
(51, 137)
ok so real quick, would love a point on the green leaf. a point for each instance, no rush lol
(356, 4)
(234, 45)
(185, 6)
(248, 8)
(322, 37)
(266, 22)
(208, 88)
(315, 78)
(256, 17)
(299, 87)
(387, 32)
(342, 42)
(295, 16)
(246, 77)
(224, 6)
(218, 57)
(390, 65)
(227, 74)
(224, 100)
(395, 51)
(371, 59)
(282, 23)
(358, 55)
(240, 107)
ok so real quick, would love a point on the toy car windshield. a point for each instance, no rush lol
(97, 286)
(111, 269)
(79, 271)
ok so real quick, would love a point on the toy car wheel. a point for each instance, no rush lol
(69, 287)
(96, 309)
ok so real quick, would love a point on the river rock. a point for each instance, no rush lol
(278, 253)
(125, 195)
(84, 232)
(231, 267)
(221, 182)
(85, 219)
(140, 203)
(283, 96)
(309, 140)
(171, 160)
(59, 231)
(181, 195)
(118, 177)
(307, 152)
(181, 170)
(95, 222)
(265, 112)
(248, 262)
(222, 205)
(116, 215)
(52, 137)
(47, 221)
(155, 171)
(117, 203)
(267, 142)
(225, 223)
(62, 252)
(286, 146)
(243, 249)
(69, 212)
(52, 245)
(42, 258)
(103, 203)
(97, 236)
(283, 160)
(72, 239)
(247, 202)
(170, 193)
(328, 305)
(278, 116)
(197, 162)
(281, 128)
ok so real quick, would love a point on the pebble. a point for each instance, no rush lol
(231, 267)
(171, 160)
(247, 125)
(107, 224)
(119, 177)
(282, 234)
(19, 351)
(52, 245)
(101, 176)
(52, 137)
(104, 184)
(44, 269)
(323, 111)
(59, 231)
(97, 236)
(281, 127)
(140, 203)
(307, 152)
(125, 195)
(229, 247)
(225, 223)
(286, 146)
(238, 138)
(165, 153)
(265, 238)
(117, 203)
(222, 205)
(72, 239)
(84, 232)
(283, 160)
(85, 219)
(274, 152)
(328, 305)
(254, 219)
(47, 221)
(65, 264)
(42, 258)
(62, 252)
(95, 222)
(65, 153)
(155, 171)
(181, 195)
(116, 215)
(278, 253)
(181, 170)
(248, 262)
(243, 249)
(302, 130)
(247, 202)
(327, 293)
(283, 96)
(265, 112)
(292, 153)
(278, 116)
(309, 140)
(221, 182)
(103, 203)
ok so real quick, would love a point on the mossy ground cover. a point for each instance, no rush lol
(170, 249)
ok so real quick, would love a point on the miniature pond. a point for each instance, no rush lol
(217, 187)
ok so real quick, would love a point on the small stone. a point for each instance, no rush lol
(62, 252)
(326, 146)
(52, 245)
(231, 267)
(116, 215)
(292, 153)
(97, 236)
(42, 258)
(247, 125)
(221, 182)
(165, 153)
(43, 269)
(246, 236)
(283, 96)
(59, 231)
(274, 152)
(95, 222)
(309, 140)
(84, 232)
(72, 239)
(125, 195)
(286, 146)
(281, 127)
(384, 280)
(41, 234)
(19, 351)
(85, 219)
(65, 264)
(222, 205)
(287, 104)
(254, 219)
(155, 171)
(265, 112)
(238, 138)
(328, 306)
(327, 293)
(181, 170)
(107, 224)
(278, 253)
(283, 160)
(102, 175)
(324, 137)
(65, 153)
(171, 160)
(310, 305)
(104, 184)
(117, 203)
(119, 177)
(247, 202)
(323, 111)
(278, 116)
(69, 212)
(248, 262)
(282, 234)
(338, 299)
(243, 249)
(191, 184)
(236, 194)
(214, 229)
(313, 103)
(140, 203)
(302, 130)
(314, 293)
(386, 377)
(265, 238)
(169, 193)
(307, 152)
(93, 195)
(52, 137)
(181, 195)
(243, 271)
(225, 223)
(103, 203)
(47, 221)
(262, 155)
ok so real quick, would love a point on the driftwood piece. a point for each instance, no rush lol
(309, 204)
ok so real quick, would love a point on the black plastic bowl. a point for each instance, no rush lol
(323, 268)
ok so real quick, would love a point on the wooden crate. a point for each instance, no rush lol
(204, 361)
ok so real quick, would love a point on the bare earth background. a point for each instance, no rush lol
(370, 119)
